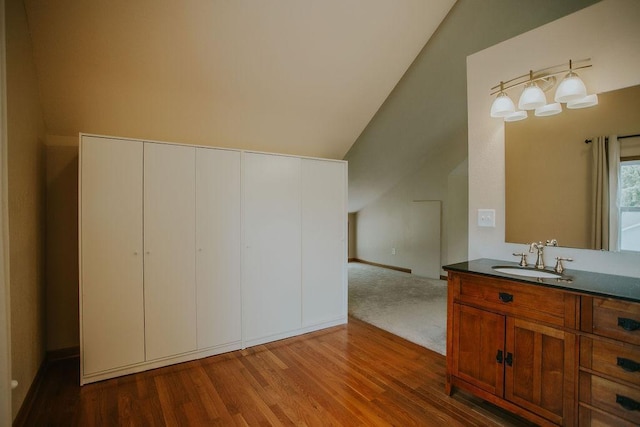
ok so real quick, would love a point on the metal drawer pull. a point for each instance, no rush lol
(509, 359)
(628, 365)
(505, 297)
(627, 403)
(628, 324)
(499, 356)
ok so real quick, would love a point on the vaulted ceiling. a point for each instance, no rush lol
(290, 76)
(426, 113)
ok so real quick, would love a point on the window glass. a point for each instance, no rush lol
(630, 205)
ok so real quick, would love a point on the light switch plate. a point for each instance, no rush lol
(486, 217)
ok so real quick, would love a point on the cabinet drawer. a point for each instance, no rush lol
(614, 359)
(520, 299)
(594, 418)
(612, 318)
(609, 396)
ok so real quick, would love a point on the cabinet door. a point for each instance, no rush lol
(324, 256)
(218, 247)
(169, 242)
(541, 375)
(478, 348)
(112, 308)
(271, 288)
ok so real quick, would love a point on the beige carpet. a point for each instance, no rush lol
(412, 307)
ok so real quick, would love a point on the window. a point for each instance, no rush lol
(629, 205)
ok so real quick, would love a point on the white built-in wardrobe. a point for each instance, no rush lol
(187, 252)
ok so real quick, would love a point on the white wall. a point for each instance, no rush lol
(608, 32)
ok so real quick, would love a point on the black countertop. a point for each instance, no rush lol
(605, 285)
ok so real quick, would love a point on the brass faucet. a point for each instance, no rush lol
(559, 268)
(539, 246)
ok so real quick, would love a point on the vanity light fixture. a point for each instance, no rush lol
(503, 105)
(549, 109)
(532, 96)
(571, 91)
(587, 101)
(571, 88)
(516, 116)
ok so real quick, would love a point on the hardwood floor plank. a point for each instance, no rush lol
(286, 391)
(332, 401)
(350, 375)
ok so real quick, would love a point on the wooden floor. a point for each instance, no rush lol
(351, 375)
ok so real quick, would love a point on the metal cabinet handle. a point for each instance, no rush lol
(628, 364)
(505, 297)
(628, 324)
(627, 403)
(509, 359)
(499, 356)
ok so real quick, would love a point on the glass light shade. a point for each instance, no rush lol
(587, 101)
(502, 106)
(516, 116)
(549, 109)
(570, 89)
(532, 97)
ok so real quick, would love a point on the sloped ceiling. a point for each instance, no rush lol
(289, 76)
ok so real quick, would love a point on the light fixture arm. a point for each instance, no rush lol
(541, 74)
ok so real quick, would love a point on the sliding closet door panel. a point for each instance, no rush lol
(272, 270)
(324, 253)
(112, 315)
(218, 245)
(169, 242)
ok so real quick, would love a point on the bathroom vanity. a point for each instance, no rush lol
(556, 351)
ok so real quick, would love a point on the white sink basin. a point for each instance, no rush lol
(527, 272)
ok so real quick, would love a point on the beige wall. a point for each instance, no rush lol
(25, 130)
(297, 77)
(5, 303)
(607, 32)
(387, 223)
(455, 220)
(352, 236)
(62, 246)
(548, 164)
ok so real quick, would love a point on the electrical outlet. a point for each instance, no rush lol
(393, 251)
(486, 217)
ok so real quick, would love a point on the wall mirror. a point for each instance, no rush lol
(550, 173)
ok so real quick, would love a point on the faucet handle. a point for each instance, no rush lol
(552, 242)
(523, 260)
(559, 268)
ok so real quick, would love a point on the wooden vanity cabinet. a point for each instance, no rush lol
(609, 388)
(514, 345)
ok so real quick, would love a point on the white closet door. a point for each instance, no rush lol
(324, 253)
(271, 287)
(169, 244)
(112, 309)
(218, 242)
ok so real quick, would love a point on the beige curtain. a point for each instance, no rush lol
(600, 194)
(614, 205)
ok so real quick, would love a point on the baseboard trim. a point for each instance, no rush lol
(63, 354)
(29, 400)
(390, 267)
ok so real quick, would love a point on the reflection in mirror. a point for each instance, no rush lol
(550, 179)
